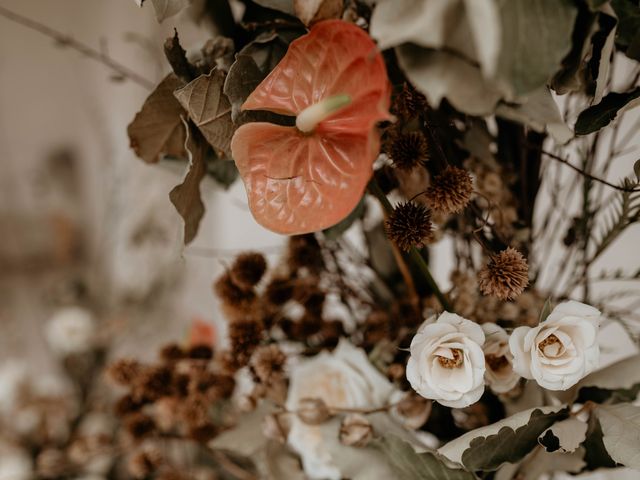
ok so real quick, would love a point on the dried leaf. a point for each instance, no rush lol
(312, 11)
(598, 116)
(186, 196)
(285, 6)
(209, 108)
(157, 129)
(621, 430)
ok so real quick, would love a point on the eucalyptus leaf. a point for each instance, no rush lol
(441, 75)
(409, 465)
(540, 112)
(537, 36)
(600, 115)
(621, 432)
(168, 8)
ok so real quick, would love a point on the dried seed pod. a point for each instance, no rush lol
(505, 276)
(247, 270)
(409, 225)
(355, 430)
(313, 411)
(409, 150)
(450, 191)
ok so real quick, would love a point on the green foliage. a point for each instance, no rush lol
(410, 465)
(602, 114)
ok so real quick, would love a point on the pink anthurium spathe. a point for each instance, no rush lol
(309, 177)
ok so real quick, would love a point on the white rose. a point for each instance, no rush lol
(342, 379)
(499, 373)
(71, 330)
(561, 350)
(447, 362)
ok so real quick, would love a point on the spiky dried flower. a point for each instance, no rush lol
(172, 353)
(279, 291)
(450, 191)
(247, 269)
(154, 382)
(409, 225)
(266, 362)
(409, 150)
(244, 337)
(304, 252)
(233, 296)
(126, 405)
(139, 425)
(505, 276)
(409, 102)
(124, 371)
(200, 352)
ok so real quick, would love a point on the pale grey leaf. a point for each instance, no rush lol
(621, 429)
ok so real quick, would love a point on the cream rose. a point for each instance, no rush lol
(499, 373)
(342, 379)
(447, 362)
(561, 350)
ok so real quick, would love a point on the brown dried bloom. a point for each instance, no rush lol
(200, 352)
(171, 353)
(409, 225)
(153, 383)
(143, 464)
(279, 291)
(304, 252)
(355, 430)
(52, 463)
(124, 371)
(244, 337)
(410, 102)
(248, 269)
(127, 404)
(409, 150)
(232, 295)
(313, 411)
(139, 425)
(267, 361)
(505, 276)
(450, 191)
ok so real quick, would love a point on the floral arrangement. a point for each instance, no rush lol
(380, 137)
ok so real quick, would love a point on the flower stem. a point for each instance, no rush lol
(414, 254)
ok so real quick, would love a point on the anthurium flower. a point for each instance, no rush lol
(308, 177)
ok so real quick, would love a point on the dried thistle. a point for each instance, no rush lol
(139, 425)
(247, 270)
(505, 276)
(279, 291)
(266, 362)
(244, 337)
(409, 102)
(171, 353)
(409, 225)
(153, 383)
(304, 252)
(124, 371)
(450, 191)
(409, 150)
(234, 297)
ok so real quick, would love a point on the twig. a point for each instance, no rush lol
(588, 175)
(87, 51)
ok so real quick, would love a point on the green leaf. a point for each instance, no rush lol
(410, 465)
(598, 116)
(628, 13)
(537, 36)
(509, 444)
(546, 310)
(456, 449)
(333, 233)
(168, 8)
(540, 112)
(440, 74)
(621, 432)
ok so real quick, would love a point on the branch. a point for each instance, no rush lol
(87, 51)
(588, 175)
